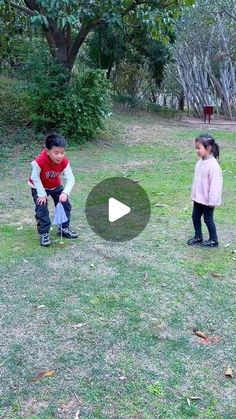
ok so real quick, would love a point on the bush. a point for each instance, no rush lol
(76, 107)
(48, 89)
(86, 105)
(14, 103)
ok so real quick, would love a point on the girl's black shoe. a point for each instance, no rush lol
(210, 243)
(194, 240)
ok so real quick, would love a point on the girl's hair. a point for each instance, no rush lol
(207, 140)
(55, 140)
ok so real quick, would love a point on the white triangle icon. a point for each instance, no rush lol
(117, 209)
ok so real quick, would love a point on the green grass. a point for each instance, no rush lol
(115, 320)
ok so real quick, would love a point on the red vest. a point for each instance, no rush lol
(50, 172)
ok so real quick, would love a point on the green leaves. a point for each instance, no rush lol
(40, 20)
(83, 16)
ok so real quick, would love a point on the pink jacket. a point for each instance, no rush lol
(208, 182)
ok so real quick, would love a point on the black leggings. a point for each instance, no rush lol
(207, 212)
(42, 213)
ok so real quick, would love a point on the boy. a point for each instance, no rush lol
(45, 180)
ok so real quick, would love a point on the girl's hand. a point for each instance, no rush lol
(63, 197)
(42, 200)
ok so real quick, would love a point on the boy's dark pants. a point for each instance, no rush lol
(207, 212)
(42, 213)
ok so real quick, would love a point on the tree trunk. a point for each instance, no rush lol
(181, 101)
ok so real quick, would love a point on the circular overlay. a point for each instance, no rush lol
(118, 209)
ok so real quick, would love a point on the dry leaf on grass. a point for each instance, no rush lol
(68, 406)
(48, 373)
(77, 415)
(211, 340)
(200, 334)
(207, 340)
(216, 275)
(161, 205)
(229, 372)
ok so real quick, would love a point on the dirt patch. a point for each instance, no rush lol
(219, 124)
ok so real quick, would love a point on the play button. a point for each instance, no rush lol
(117, 209)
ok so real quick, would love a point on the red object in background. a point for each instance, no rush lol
(207, 111)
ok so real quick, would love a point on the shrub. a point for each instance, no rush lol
(14, 103)
(47, 89)
(86, 105)
(76, 107)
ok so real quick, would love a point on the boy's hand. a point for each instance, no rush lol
(63, 197)
(42, 200)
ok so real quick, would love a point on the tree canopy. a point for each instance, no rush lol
(67, 23)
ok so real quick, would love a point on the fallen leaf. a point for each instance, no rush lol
(227, 245)
(145, 276)
(92, 265)
(48, 373)
(68, 406)
(41, 306)
(188, 401)
(195, 398)
(217, 275)
(20, 228)
(229, 372)
(200, 334)
(211, 340)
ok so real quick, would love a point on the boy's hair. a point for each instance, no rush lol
(55, 140)
(207, 140)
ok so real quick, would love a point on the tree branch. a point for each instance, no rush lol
(79, 39)
(21, 8)
(225, 10)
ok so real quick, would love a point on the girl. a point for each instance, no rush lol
(206, 189)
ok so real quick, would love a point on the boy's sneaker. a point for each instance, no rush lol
(194, 240)
(45, 240)
(67, 233)
(210, 243)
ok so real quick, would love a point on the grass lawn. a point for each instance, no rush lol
(114, 321)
